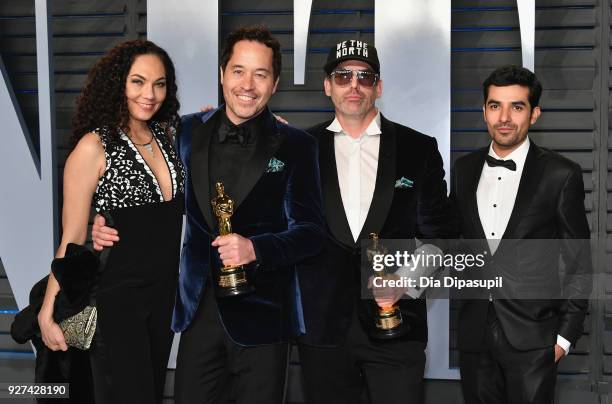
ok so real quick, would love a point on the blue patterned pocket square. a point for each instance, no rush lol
(404, 183)
(275, 166)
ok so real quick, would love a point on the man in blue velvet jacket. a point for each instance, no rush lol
(238, 345)
(271, 172)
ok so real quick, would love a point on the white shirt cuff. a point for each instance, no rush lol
(407, 272)
(413, 271)
(563, 343)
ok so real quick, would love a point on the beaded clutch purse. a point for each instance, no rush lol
(79, 329)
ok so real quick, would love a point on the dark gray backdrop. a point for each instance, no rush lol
(572, 60)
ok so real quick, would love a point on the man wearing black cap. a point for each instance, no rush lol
(377, 177)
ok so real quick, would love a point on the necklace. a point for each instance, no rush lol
(148, 146)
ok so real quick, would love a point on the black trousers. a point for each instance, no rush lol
(504, 375)
(364, 370)
(129, 354)
(212, 369)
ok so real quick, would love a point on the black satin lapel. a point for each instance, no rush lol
(385, 181)
(332, 199)
(200, 177)
(532, 173)
(472, 177)
(265, 148)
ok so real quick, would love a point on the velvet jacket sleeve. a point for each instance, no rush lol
(302, 204)
(574, 234)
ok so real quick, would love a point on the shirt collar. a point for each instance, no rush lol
(372, 129)
(518, 155)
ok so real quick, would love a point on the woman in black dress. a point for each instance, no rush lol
(124, 163)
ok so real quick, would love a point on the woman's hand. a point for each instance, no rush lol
(52, 334)
(84, 166)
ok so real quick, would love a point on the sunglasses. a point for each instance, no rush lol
(364, 77)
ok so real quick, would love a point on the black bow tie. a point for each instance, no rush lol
(493, 162)
(233, 134)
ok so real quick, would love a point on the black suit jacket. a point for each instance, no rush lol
(549, 206)
(330, 282)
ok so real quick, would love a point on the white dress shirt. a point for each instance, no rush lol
(496, 195)
(357, 165)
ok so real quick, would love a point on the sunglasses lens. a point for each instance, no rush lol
(343, 78)
(366, 79)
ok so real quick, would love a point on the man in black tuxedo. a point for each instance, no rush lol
(507, 193)
(376, 176)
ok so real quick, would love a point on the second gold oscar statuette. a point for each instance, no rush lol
(388, 320)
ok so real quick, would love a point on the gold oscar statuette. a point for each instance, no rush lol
(388, 320)
(232, 280)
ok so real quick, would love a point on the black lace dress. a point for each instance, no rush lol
(136, 290)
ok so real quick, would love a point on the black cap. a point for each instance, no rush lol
(352, 49)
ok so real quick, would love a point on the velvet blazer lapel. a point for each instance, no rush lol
(268, 143)
(265, 148)
(200, 176)
(383, 190)
(332, 199)
(385, 181)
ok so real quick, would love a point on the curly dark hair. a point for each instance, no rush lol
(259, 34)
(102, 101)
